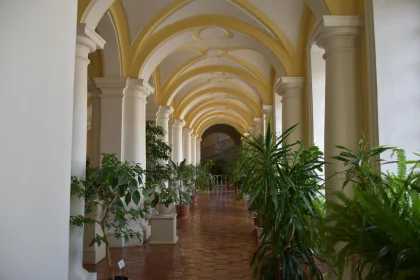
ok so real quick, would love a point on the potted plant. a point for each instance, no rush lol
(203, 178)
(380, 225)
(283, 179)
(164, 199)
(112, 198)
(181, 182)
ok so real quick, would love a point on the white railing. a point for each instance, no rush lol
(218, 180)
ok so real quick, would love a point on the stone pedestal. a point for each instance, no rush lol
(163, 229)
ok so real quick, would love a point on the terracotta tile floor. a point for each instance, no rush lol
(215, 242)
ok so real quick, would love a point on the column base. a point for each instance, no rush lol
(164, 229)
(94, 255)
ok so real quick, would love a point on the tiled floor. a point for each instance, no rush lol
(215, 242)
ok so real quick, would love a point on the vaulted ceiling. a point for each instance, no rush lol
(213, 61)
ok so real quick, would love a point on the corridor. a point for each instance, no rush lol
(215, 242)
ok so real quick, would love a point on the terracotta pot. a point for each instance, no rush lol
(182, 210)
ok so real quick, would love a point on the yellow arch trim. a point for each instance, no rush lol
(188, 98)
(82, 7)
(209, 116)
(245, 118)
(169, 90)
(267, 22)
(226, 103)
(343, 7)
(155, 40)
(212, 122)
(190, 62)
(215, 113)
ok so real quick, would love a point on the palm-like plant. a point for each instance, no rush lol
(181, 181)
(283, 178)
(380, 226)
(203, 178)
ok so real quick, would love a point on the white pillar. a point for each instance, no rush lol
(37, 54)
(87, 41)
(170, 135)
(291, 90)
(177, 149)
(198, 150)
(194, 148)
(134, 121)
(267, 117)
(187, 144)
(339, 36)
(94, 254)
(258, 126)
(112, 94)
(162, 119)
(95, 136)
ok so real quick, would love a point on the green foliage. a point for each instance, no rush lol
(203, 178)
(182, 181)
(282, 181)
(164, 195)
(112, 196)
(156, 150)
(380, 226)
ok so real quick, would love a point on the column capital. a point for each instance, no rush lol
(194, 135)
(96, 92)
(164, 111)
(138, 88)
(111, 87)
(345, 28)
(199, 139)
(257, 120)
(285, 84)
(188, 130)
(267, 108)
(179, 123)
(87, 41)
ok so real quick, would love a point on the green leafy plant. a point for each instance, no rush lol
(380, 226)
(283, 180)
(157, 152)
(203, 178)
(182, 181)
(163, 195)
(112, 196)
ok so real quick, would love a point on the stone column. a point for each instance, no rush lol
(258, 126)
(177, 149)
(162, 119)
(87, 41)
(198, 150)
(112, 96)
(170, 135)
(95, 136)
(339, 36)
(194, 149)
(267, 117)
(187, 144)
(291, 90)
(134, 121)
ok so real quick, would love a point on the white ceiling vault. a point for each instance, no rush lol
(203, 53)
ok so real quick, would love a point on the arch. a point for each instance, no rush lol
(143, 65)
(190, 97)
(212, 122)
(223, 128)
(111, 53)
(214, 104)
(217, 112)
(190, 63)
(318, 7)
(170, 91)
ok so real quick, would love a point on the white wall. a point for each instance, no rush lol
(318, 95)
(397, 39)
(37, 52)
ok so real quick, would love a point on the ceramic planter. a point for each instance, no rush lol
(182, 210)
(163, 210)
